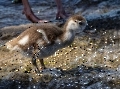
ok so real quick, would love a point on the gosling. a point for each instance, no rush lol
(44, 40)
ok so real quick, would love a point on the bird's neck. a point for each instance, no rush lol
(68, 35)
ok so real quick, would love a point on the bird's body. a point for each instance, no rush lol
(44, 40)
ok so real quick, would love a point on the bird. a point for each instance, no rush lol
(41, 41)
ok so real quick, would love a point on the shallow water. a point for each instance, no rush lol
(91, 62)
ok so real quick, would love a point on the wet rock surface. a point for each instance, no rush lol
(91, 62)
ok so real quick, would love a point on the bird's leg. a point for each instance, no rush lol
(42, 64)
(34, 63)
(35, 51)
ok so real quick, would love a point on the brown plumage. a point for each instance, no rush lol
(50, 30)
(45, 39)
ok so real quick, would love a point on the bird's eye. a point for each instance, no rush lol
(75, 20)
(81, 23)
